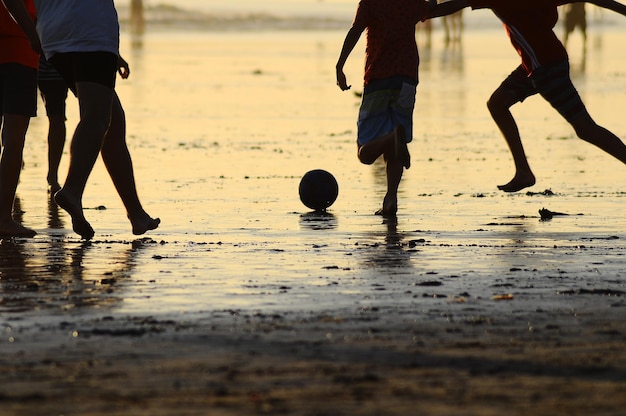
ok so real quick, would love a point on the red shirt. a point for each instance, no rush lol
(391, 47)
(529, 24)
(14, 45)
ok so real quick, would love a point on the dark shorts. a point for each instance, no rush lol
(96, 67)
(18, 90)
(54, 94)
(553, 83)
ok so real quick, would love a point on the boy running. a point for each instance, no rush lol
(385, 123)
(544, 70)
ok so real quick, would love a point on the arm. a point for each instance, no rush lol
(122, 67)
(22, 18)
(450, 7)
(607, 4)
(353, 36)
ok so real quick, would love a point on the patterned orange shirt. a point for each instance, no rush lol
(391, 47)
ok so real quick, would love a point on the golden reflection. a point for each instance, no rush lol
(63, 274)
(393, 254)
(318, 221)
(55, 220)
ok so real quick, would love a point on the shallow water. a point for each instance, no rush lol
(223, 125)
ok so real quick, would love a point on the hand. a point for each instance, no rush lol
(122, 67)
(341, 80)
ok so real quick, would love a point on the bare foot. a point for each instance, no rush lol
(518, 183)
(144, 223)
(390, 207)
(13, 228)
(401, 149)
(75, 209)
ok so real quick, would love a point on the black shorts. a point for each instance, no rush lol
(555, 86)
(18, 90)
(54, 94)
(96, 67)
(553, 83)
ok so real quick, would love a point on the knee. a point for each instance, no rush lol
(499, 102)
(494, 103)
(95, 124)
(365, 157)
(366, 160)
(586, 129)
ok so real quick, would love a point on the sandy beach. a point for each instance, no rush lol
(244, 302)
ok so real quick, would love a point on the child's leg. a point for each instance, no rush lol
(119, 164)
(589, 131)
(394, 169)
(19, 95)
(392, 145)
(508, 94)
(54, 94)
(372, 150)
(13, 135)
(557, 88)
(387, 106)
(95, 114)
(56, 142)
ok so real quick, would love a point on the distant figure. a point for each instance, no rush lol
(575, 17)
(137, 20)
(453, 26)
(53, 89)
(545, 71)
(82, 42)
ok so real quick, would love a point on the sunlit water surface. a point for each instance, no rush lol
(223, 125)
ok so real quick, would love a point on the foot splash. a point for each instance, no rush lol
(79, 223)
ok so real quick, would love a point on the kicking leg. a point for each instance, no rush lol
(119, 164)
(394, 144)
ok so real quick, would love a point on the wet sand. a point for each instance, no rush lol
(243, 302)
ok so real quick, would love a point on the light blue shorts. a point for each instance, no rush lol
(386, 103)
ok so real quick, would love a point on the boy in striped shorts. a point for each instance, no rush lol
(385, 123)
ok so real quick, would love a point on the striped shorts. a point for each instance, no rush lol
(553, 83)
(386, 104)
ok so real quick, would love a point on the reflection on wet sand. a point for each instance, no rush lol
(58, 274)
(393, 254)
(318, 221)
